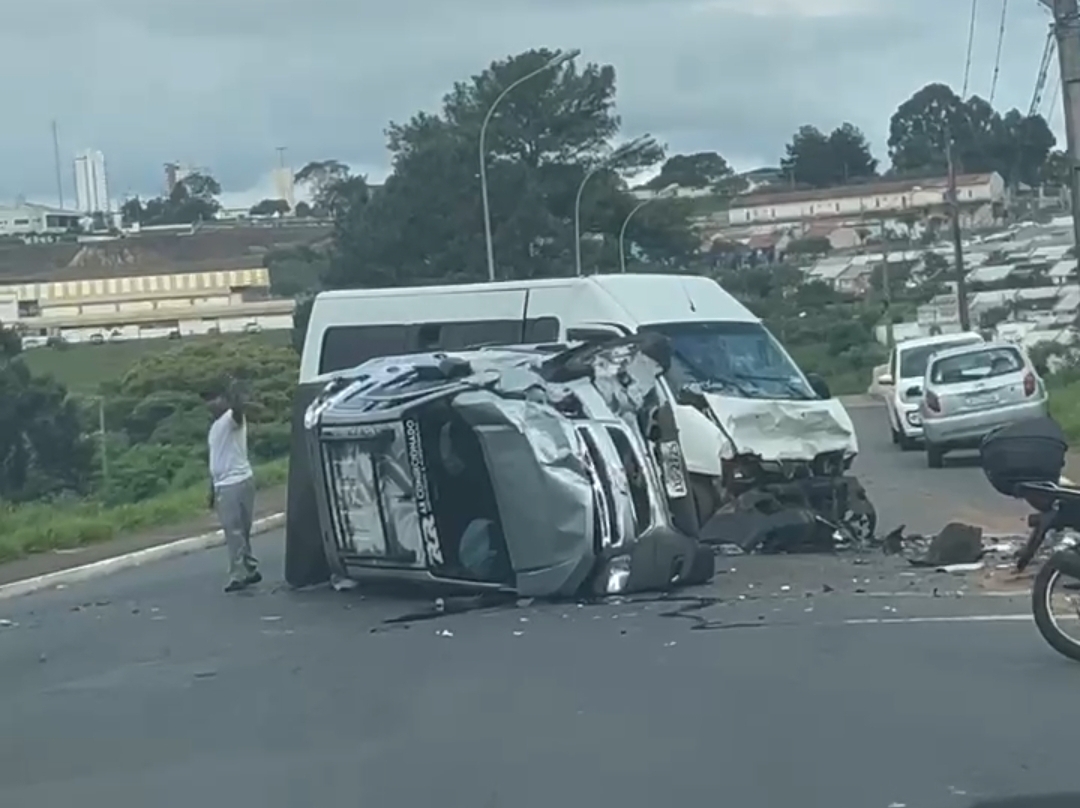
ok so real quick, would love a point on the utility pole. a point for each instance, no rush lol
(958, 247)
(1067, 31)
(889, 340)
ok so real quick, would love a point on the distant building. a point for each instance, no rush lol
(124, 307)
(981, 199)
(285, 186)
(28, 219)
(91, 182)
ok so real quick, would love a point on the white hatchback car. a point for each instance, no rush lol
(904, 380)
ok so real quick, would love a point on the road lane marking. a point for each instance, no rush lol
(959, 618)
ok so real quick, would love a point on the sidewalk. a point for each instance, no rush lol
(268, 501)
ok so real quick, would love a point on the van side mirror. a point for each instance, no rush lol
(913, 392)
(819, 386)
(886, 380)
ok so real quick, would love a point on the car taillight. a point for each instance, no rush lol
(1029, 384)
(932, 402)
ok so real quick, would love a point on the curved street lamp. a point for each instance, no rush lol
(557, 60)
(626, 150)
(666, 193)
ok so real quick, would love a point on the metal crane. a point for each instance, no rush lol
(1044, 68)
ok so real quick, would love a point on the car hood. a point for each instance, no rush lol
(785, 430)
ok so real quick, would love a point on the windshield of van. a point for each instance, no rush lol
(741, 359)
(913, 360)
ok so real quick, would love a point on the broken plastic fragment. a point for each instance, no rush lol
(444, 633)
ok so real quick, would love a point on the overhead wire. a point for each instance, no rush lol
(970, 45)
(997, 58)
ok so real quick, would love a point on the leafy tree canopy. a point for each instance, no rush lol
(332, 187)
(425, 224)
(820, 161)
(193, 199)
(42, 448)
(1014, 145)
(270, 207)
(701, 170)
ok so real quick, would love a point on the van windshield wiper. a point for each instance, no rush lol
(789, 385)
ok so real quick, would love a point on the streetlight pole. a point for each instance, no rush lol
(577, 216)
(556, 61)
(622, 230)
(621, 153)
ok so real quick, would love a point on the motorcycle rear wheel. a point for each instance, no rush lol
(1062, 564)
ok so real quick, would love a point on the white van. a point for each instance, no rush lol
(760, 407)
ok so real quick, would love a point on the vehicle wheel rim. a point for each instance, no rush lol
(858, 525)
(1048, 598)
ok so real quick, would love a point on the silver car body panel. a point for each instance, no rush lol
(575, 482)
(974, 403)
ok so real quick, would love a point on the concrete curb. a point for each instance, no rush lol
(107, 566)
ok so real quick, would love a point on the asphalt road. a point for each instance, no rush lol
(814, 681)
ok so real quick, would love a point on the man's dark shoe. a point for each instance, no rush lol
(254, 578)
(236, 586)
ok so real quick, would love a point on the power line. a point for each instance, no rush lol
(970, 45)
(997, 58)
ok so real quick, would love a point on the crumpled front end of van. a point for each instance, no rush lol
(786, 458)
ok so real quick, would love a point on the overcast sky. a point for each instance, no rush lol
(222, 83)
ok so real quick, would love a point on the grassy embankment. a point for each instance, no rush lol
(40, 527)
(1065, 407)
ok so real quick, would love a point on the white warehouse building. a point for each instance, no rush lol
(980, 196)
(28, 219)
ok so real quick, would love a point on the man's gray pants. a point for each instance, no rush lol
(235, 505)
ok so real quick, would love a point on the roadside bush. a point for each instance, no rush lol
(158, 415)
(43, 526)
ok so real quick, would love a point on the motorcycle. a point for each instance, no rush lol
(1025, 461)
(1057, 509)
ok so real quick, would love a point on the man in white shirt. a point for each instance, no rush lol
(232, 487)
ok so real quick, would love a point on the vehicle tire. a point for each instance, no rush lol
(934, 456)
(907, 444)
(895, 436)
(1061, 564)
(705, 497)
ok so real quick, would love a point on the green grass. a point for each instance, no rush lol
(41, 526)
(1065, 408)
(83, 367)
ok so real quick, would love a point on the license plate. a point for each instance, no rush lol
(982, 400)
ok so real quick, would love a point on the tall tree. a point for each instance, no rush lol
(323, 179)
(819, 160)
(1014, 145)
(851, 153)
(425, 224)
(700, 170)
(193, 199)
(42, 448)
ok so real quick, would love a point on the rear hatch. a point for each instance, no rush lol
(984, 379)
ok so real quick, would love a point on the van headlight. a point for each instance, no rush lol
(914, 418)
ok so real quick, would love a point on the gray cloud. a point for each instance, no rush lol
(221, 83)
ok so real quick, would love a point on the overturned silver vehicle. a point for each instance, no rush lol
(549, 471)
